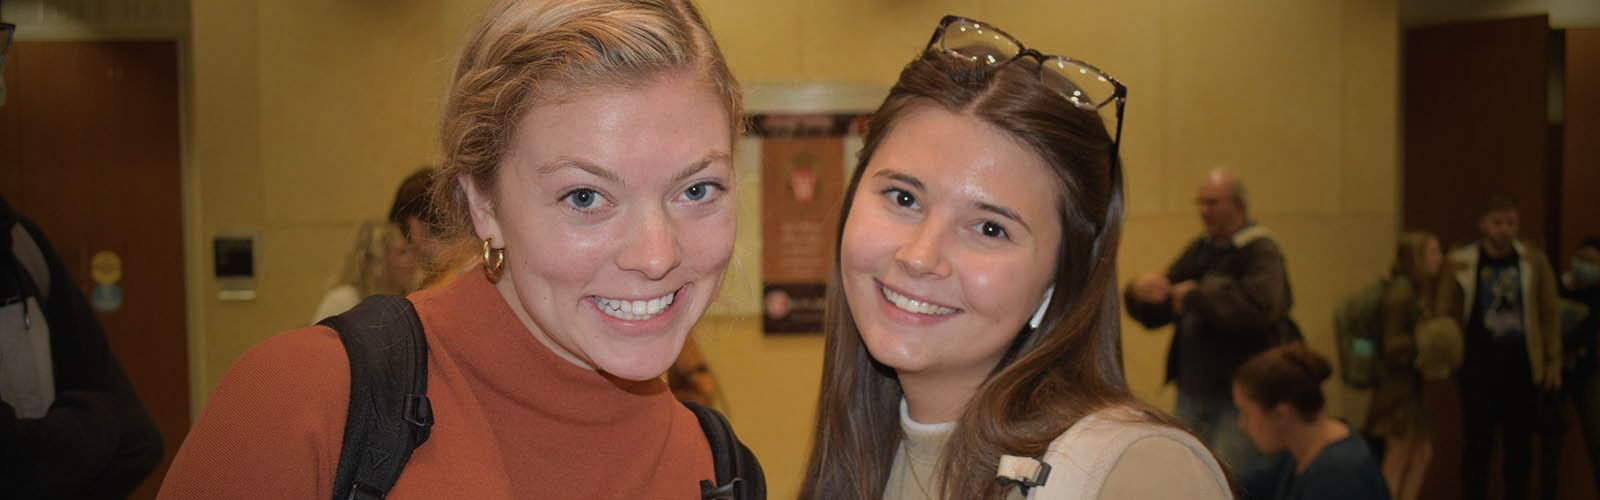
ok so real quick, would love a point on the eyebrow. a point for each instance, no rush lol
(1004, 212)
(564, 162)
(895, 175)
(701, 164)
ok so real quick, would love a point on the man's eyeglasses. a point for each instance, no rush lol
(1080, 83)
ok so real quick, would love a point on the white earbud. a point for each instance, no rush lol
(1038, 316)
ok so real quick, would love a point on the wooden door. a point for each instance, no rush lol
(1580, 173)
(1475, 123)
(89, 150)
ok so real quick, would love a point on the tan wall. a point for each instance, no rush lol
(305, 115)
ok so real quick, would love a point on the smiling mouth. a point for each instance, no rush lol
(635, 310)
(914, 306)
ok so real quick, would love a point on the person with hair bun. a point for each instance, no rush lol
(588, 159)
(1280, 400)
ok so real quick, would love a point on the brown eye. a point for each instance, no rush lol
(992, 230)
(901, 198)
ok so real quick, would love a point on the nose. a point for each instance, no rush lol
(653, 251)
(921, 256)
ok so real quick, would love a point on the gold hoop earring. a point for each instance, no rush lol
(494, 260)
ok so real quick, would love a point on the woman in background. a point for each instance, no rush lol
(972, 331)
(380, 263)
(1398, 413)
(1279, 396)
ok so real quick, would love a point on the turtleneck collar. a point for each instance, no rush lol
(472, 321)
(923, 441)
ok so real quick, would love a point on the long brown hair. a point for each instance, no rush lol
(1408, 257)
(1049, 378)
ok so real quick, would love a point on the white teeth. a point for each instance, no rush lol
(634, 310)
(916, 306)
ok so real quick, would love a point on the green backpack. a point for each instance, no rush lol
(1358, 327)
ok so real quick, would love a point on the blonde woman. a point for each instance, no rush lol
(588, 150)
(381, 262)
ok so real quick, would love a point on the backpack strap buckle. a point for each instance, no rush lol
(361, 491)
(419, 413)
(709, 491)
(1025, 472)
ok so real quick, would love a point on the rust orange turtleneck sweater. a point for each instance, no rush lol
(512, 420)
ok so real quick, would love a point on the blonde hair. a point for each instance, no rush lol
(365, 266)
(527, 52)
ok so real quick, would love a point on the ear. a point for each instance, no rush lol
(480, 205)
(1044, 305)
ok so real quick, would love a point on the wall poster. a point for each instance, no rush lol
(803, 165)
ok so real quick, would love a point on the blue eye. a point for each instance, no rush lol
(992, 230)
(582, 198)
(701, 191)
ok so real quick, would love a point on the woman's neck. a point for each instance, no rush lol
(933, 398)
(1307, 441)
(508, 291)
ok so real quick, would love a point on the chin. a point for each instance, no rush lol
(891, 351)
(641, 364)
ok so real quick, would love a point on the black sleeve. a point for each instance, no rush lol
(97, 440)
(1150, 314)
(1158, 314)
(1250, 302)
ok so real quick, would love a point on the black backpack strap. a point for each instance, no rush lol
(389, 414)
(739, 475)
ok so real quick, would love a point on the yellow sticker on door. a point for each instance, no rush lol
(105, 267)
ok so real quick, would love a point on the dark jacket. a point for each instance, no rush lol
(1583, 340)
(96, 440)
(1239, 308)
